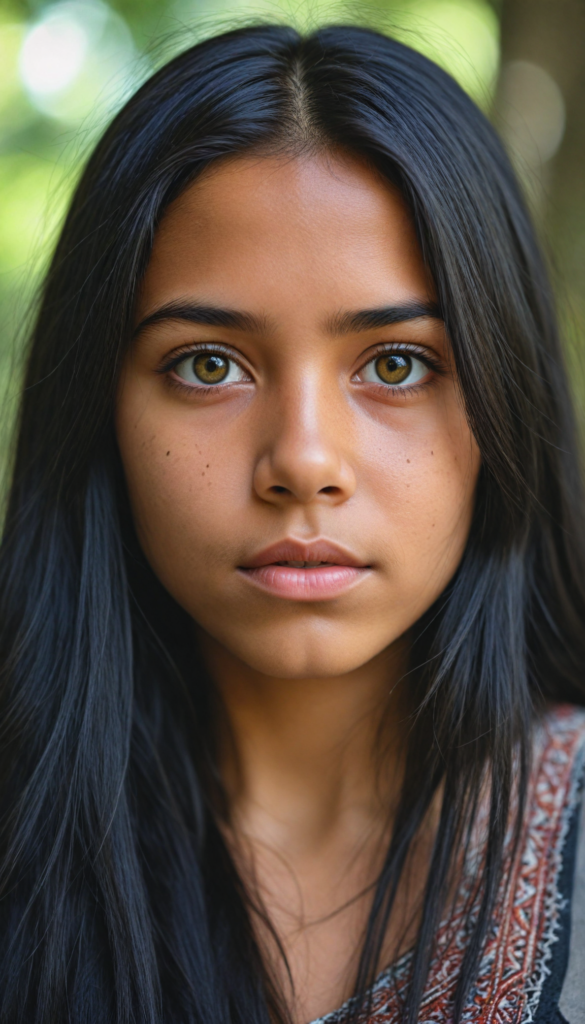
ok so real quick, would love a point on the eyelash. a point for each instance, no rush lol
(188, 350)
(201, 389)
(433, 363)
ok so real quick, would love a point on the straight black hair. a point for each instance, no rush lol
(119, 901)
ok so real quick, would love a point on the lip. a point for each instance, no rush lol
(342, 571)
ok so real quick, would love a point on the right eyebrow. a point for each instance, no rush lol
(199, 313)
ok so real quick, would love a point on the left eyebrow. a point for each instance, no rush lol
(383, 316)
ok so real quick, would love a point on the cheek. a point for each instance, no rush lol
(422, 479)
(183, 484)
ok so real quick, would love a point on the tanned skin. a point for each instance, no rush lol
(303, 442)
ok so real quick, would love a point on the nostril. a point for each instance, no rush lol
(329, 490)
(277, 489)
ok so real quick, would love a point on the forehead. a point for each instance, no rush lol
(255, 230)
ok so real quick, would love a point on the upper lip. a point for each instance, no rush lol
(291, 550)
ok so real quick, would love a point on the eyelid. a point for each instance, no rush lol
(183, 352)
(432, 360)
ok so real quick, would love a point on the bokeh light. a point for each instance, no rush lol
(75, 58)
(533, 112)
(53, 52)
(463, 37)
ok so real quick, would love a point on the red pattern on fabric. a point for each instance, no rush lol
(525, 924)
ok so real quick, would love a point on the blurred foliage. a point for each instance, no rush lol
(66, 66)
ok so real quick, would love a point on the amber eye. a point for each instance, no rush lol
(210, 368)
(397, 370)
(393, 368)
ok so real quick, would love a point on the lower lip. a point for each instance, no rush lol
(316, 584)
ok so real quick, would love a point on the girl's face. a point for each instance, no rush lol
(289, 399)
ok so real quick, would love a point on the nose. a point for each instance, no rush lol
(306, 452)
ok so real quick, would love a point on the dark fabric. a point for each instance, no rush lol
(548, 1008)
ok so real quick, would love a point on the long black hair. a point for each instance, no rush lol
(119, 901)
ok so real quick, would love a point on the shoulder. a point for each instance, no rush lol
(572, 999)
(558, 814)
(556, 783)
(558, 763)
(564, 725)
(532, 927)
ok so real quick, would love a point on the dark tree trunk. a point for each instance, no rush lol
(551, 35)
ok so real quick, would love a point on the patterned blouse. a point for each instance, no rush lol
(523, 972)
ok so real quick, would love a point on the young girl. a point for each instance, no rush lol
(292, 580)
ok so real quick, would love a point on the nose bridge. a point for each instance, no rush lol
(306, 452)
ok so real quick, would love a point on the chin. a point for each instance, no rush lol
(293, 656)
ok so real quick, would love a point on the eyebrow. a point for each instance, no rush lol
(239, 320)
(382, 316)
(208, 316)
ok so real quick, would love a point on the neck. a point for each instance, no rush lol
(298, 756)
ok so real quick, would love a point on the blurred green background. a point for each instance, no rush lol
(66, 66)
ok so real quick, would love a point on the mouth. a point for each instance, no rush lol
(317, 571)
(304, 565)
